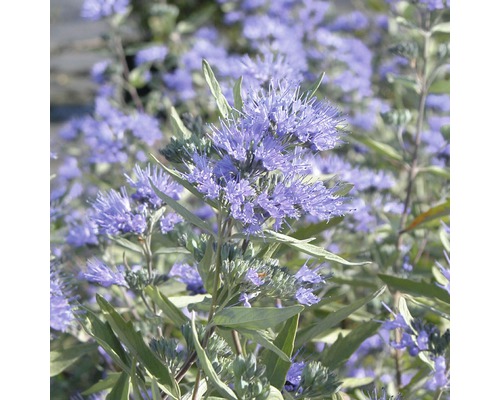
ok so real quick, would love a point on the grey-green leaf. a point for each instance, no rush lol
(238, 101)
(416, 288)
(277, 368)
(134, 341)
(301, 245)
(62, 359)
(260, 337)
(170, 310)
(344, 347)
(329, 322)
(254, 317)
(121, 390)
(216, 90)
(208, 368)
(180, 129)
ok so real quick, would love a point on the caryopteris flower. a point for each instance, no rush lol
(189, 275)
(151, 54)
(97, 9)
(257, 162)
(114, 214)
(61, 309)
(99, 272)
(144, 192)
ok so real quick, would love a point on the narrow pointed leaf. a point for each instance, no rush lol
(416, 288)
(344, 347)
(134, 341)
(438, 211)
(311, 230)
(216, 90)
(106, 338)
(260, 337)
(254, 317)
(381, 148)
(62, 359)
(332, 320)
(238, 101)
(181, 210)
(104, 384)
(171, 311)
(121, 390)
(208, 368)
(315, 86)
(301, 245)
(180, 129)
(155, 390)
(206, 269)
(127, 244)
(442, 27)
(277, 368)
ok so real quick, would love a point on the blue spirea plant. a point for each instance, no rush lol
(257, 207)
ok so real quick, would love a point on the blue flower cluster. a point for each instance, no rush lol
(259, 158)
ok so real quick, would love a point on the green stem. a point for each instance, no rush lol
(412, 173)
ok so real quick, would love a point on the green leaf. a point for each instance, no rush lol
(301, 245)
(338, 354)
(103, 384)
(207, 366)
(181, 210)
(254, 317)
(176, 176)
(277, 368)
(315, 86)
(440, 87)
(121, 390)
(62, 359)
(261, 337)
(172, 250)
(438, 211)
(171, 311)
(381, 148)
(180, 129)
(206, 269)
(134, 341)
(216, 90)
(311, 230)
(238, 101)
(274, 394)
(332, 320)
(351, 383)
(442, 27)
(155, 390)
(127, 244)
(106, 338)
(404, 81)
(416, 288)
(439, 171)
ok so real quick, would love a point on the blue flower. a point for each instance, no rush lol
(151, 54)
(61, 309)
(168, 222)
(188, 275)
(97, 9)
(99, 272)
(144, 192)
(306, 296)
(114, 214)
(439, 378)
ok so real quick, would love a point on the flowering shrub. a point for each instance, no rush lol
(258, 205)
